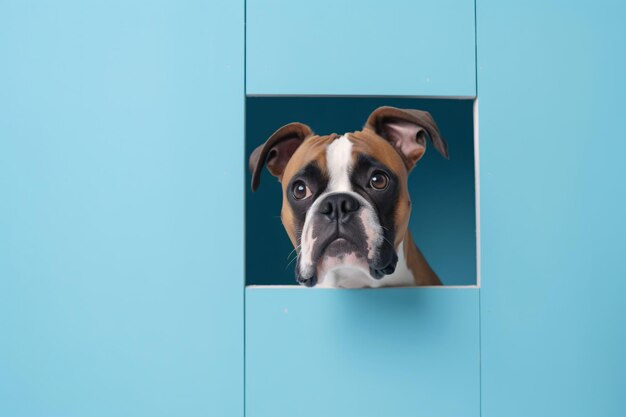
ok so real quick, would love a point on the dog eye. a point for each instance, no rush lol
(379, 180)
(300, 190)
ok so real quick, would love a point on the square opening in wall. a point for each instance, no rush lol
(442, 191)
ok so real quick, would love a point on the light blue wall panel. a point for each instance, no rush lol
(553, 300)
(388, 352)
(397, 47)
(121, 208)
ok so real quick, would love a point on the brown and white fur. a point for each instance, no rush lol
(348, 230)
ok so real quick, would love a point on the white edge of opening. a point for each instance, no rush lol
(477, 190)
(300, 287)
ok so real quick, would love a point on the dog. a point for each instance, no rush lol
(346, 203)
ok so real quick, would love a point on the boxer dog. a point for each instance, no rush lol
(346, 203)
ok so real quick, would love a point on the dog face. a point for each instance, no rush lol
(346, 204)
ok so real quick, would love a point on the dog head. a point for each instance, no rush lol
(346, 204)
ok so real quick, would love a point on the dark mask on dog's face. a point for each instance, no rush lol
(346, 204)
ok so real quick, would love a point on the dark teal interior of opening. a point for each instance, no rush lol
(443, 219)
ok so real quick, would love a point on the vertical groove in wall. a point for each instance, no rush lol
(478, 225)
(245, 73)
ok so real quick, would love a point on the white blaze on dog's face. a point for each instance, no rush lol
(346, 204)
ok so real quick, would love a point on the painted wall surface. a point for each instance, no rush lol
(396, 47)
(553, 300)
(121, 208)
(121, 212)
(443, 218)
(388, 352)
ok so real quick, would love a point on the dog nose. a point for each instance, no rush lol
(339, 207)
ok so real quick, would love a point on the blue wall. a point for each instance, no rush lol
(443, 193)
(348, 47)
(121, 279)
(551, 89)
(122, 162)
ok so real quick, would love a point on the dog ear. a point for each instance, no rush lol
(277, 151)
(406, 130)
